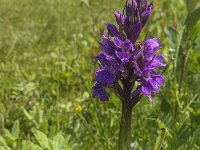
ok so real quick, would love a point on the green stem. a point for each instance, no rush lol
(125, 126)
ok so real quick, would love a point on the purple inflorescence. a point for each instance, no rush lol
(126, 59)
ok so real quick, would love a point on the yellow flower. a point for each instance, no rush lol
(79, 108)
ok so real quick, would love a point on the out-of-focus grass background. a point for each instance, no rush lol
(47, 50)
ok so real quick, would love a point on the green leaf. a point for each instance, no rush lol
(15, 129)
(160, 139)
(59, 141)
(86, 3)
(193, 18)
(29, 117)
(195, 32)
(3, 144)
(3, 148)
(191, 5)
(165, 106)
(44, 127)
(2, 108)
(26, 145)
(38, 116)
(8, 137)
(195, 136)
(87, 126)
(179, 38)
(41, 138)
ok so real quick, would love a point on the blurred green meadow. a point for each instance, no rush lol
(47, 50)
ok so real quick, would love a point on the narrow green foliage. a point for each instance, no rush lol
(41, 138)
(193, 18)
(178, 50)
(29, 145)
(16, 129)
(160, 139)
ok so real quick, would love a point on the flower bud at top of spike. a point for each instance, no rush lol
(130, 9)
(144, 5)
(146, 13)
(136, 30)
(112, 30)
(120, 18)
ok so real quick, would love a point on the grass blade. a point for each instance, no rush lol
(160, 139)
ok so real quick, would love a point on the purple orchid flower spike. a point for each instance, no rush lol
(125, 60)
(122, 56)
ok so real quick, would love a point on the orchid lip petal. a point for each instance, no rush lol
(123, 56)
(118, 42)
(105, 77)
(99, 91)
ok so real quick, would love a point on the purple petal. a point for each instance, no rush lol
(151, 46)
(146, 74)
(120, 18)
(138, 71)
(146, 90)
(158, 58)
(106, 60)
(127, 45)
(138, 2)
(118, 42)
(130, 9)
(104, 97)
(155, 82)
(102, 58)
(159, 80)
(112, 30)
(136, 30)
(146, 13)
(154, 85)
(157, 61)
(108, 47)
(105, 77)
(144, 4)
(99, 90)
(105, 39)
(134, 5)
(123, 56)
